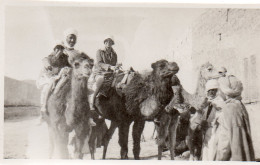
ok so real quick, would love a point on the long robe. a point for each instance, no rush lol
(208, 141)
(234, 136)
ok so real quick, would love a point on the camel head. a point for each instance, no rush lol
(82, 65)
(163, 68)
(208, 71)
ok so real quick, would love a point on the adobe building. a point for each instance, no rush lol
(229, 38)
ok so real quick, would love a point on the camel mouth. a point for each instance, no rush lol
(216, 77)
(79, 76)
(169, 73)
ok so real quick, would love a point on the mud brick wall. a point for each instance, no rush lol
(225, 37)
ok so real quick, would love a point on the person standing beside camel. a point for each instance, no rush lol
(106, 63)
(208, 117)
(234, 141)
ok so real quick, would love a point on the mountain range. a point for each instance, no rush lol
(20, 93)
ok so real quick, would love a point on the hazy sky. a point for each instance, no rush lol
(142, 35)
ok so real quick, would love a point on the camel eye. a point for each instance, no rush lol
(76, 64)
(162, 66)
(209, 69)
(86, 66)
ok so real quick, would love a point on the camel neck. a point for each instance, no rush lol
(79, 86)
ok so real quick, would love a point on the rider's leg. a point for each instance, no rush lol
(46, 93)
(95, 83)
(95, 88)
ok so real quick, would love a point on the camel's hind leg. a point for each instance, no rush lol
(92, 145)
(108, 136)
(138, 128)
(172, 134)
(123, 138)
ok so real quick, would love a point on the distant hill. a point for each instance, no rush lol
(20, 93)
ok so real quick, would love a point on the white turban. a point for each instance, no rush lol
(230, 86)
(67, 33)
(70, 31)
(211, 84)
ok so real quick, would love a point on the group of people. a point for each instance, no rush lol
(225, 125)
(225, 122)
(57, 66)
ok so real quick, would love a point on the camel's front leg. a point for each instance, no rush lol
(123, 138)
(172, 134)
(51, 142)
(162, 133)
(108, 136)
(137, 132)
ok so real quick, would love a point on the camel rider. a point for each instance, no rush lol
(106, 63)
(58, 65)
(70, 40)
(55, 67)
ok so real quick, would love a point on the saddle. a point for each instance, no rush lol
(117, 81)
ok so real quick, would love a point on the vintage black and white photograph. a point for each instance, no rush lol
(146, 82)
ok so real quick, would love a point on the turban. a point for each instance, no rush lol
(230, 86)
(70, 31)
(211, 84)
(67, 33)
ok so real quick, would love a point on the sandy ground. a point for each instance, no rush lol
(23, 138)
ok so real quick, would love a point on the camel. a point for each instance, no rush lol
(68, 110)
(142, 100)
(179, 126)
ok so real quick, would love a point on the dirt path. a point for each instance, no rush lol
(25, 139)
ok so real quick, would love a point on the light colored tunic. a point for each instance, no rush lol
(234, 140)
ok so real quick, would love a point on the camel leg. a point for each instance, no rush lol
(191, 144)
(92, 142)
(162, 133)
(51, 143)
(61, 139)
(123, 138)
(78, 148)
(172, 134)
(161, 141)
(108, 136)
(138, 128)
(160, 150)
